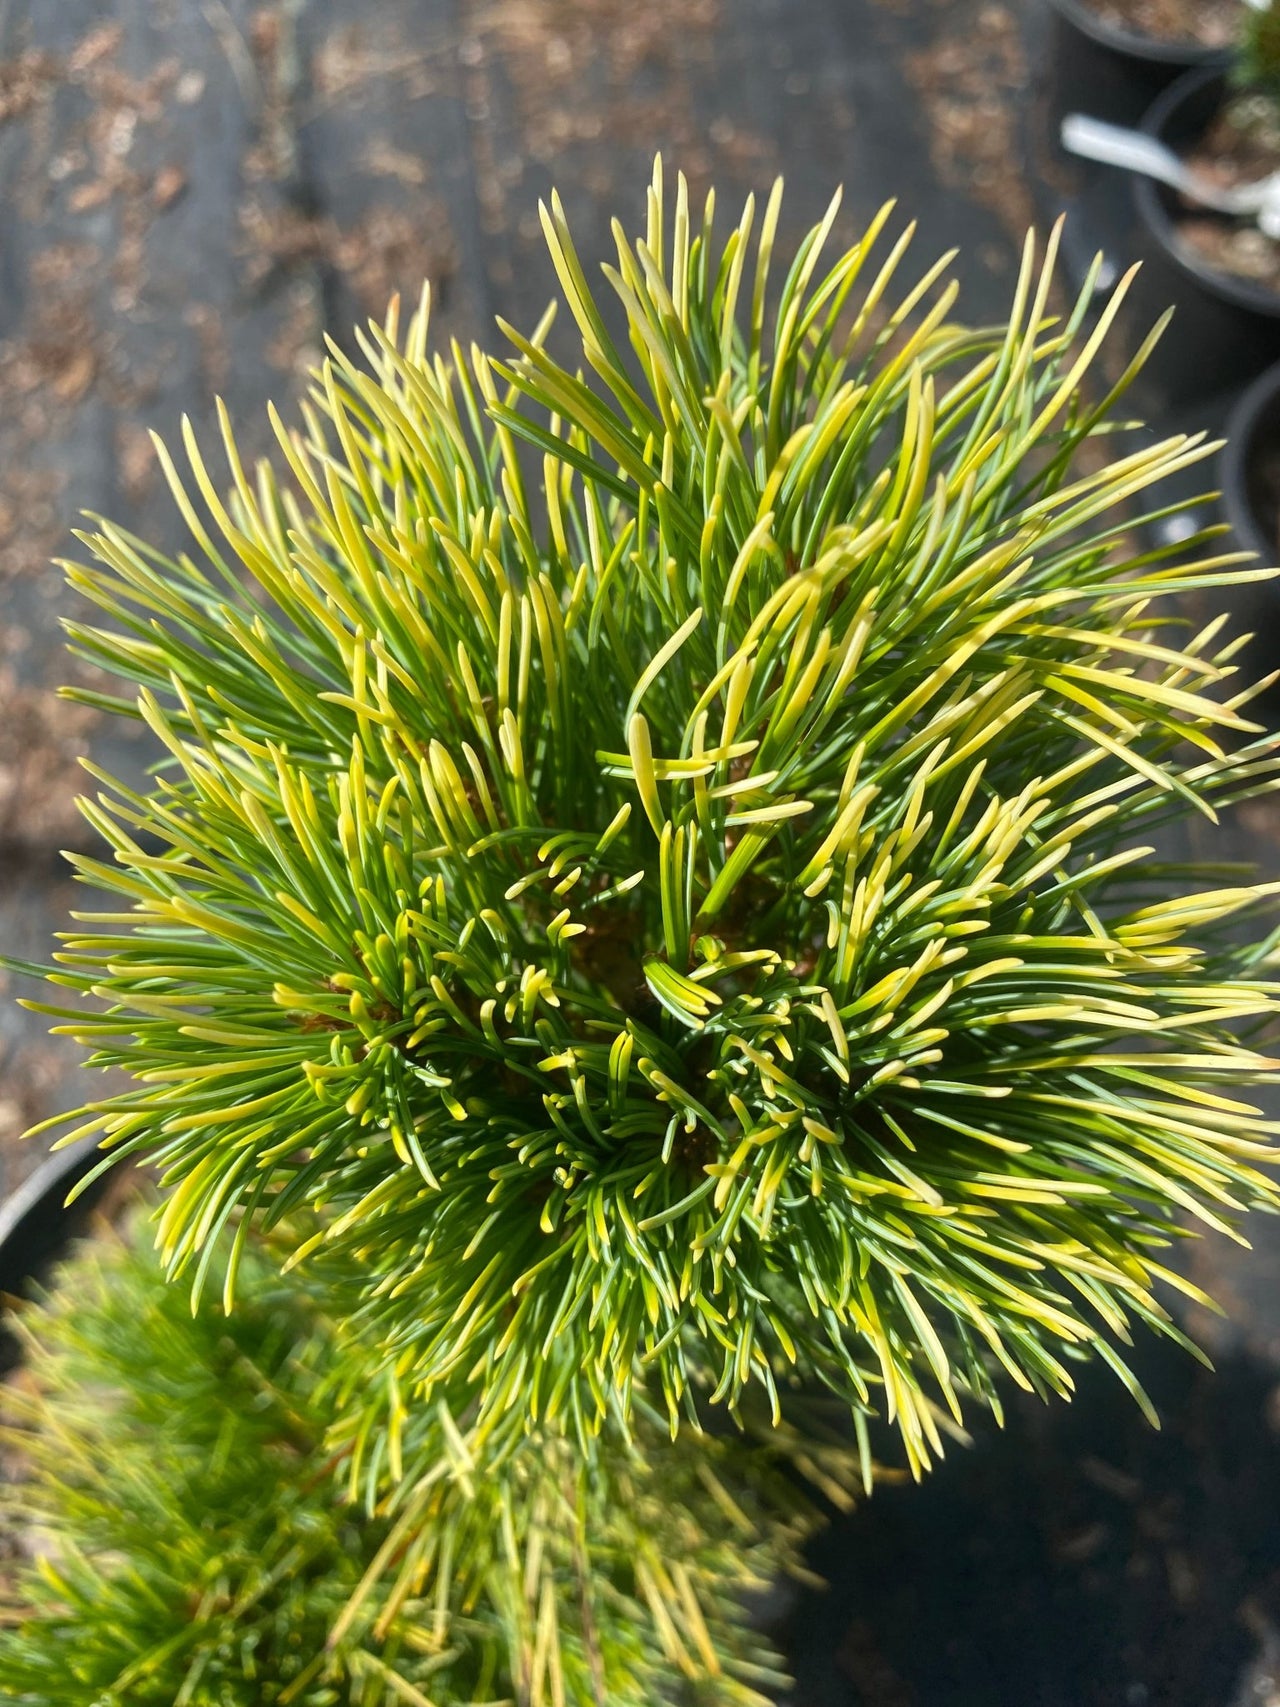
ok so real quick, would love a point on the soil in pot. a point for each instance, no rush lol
(1204, 23)
(1239, 147)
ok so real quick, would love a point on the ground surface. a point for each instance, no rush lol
(193, 191)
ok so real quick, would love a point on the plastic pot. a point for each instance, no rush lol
(1226, 330)
(1251, 502)
(37, 1225)
(1249, 475)
(1110, 73)
(1087, 66)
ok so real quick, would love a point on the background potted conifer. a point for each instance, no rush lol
(644, 933)
(1249, 471)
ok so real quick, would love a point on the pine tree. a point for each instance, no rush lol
(655, 859)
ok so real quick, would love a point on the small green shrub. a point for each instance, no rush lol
(193, 1553)
(1258, 65)
(656, 857)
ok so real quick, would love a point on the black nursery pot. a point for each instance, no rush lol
(1110, 73)
(1249, 475)
(1226, 330)
(37, 1225)
(1250, 468)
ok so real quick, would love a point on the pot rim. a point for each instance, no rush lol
(1242, 293)
(57, 1174)
(1150, 48)
(1240, 434)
